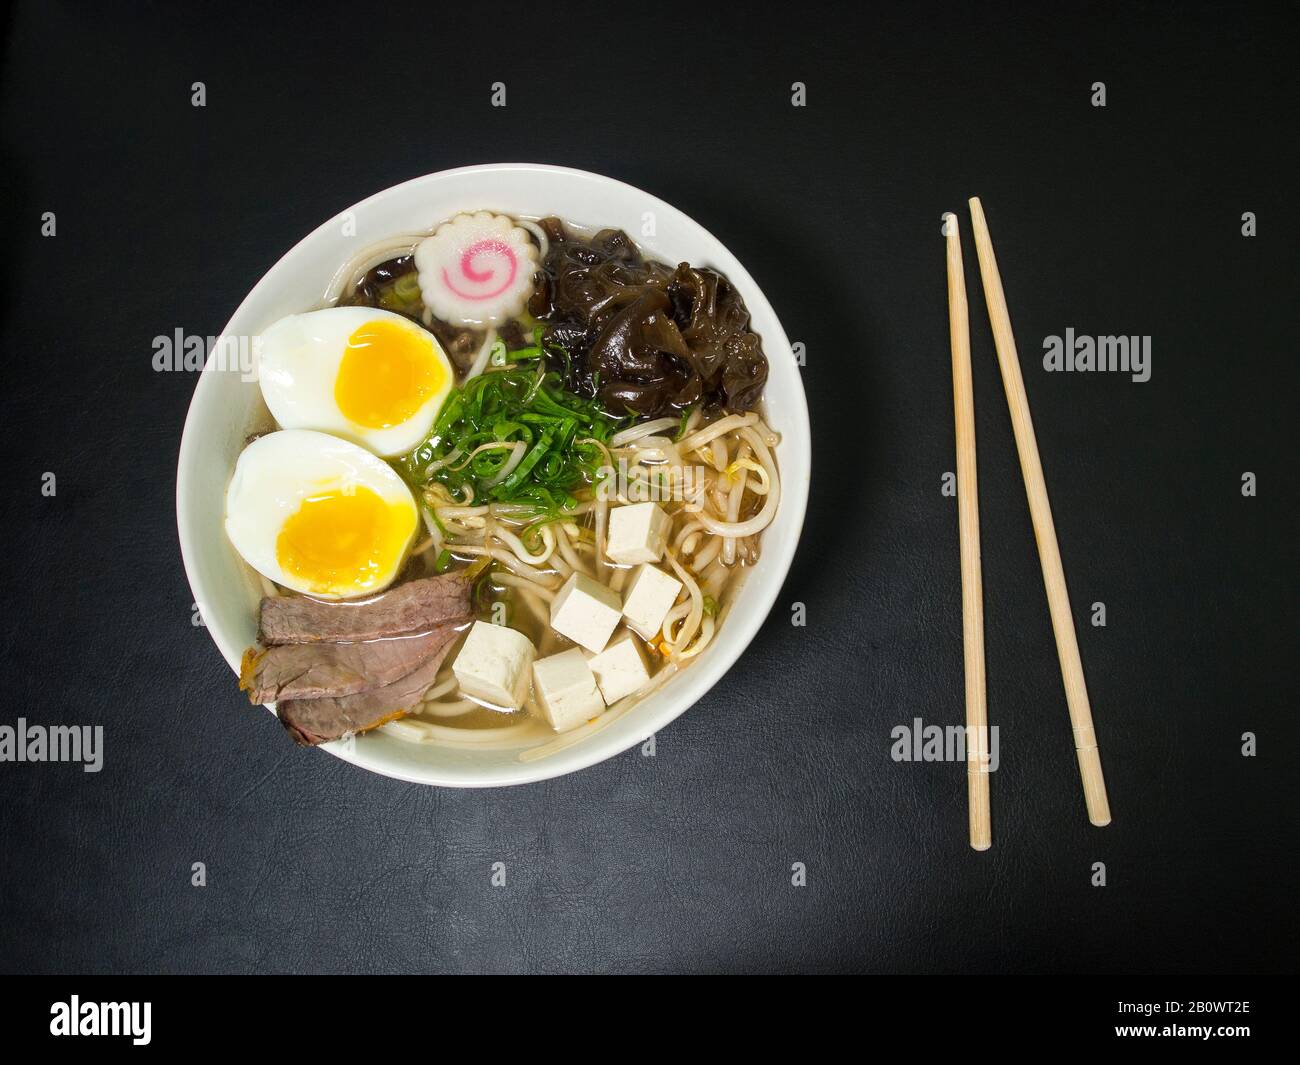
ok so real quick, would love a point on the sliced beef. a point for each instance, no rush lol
(338, 668)
(318, 670)
(409, 609)
(312, 721)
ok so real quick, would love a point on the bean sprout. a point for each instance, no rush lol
(677, 642)
(521, 552)
(718, 451)
(446, 460)
(636, 432)
(568, 554)
(507, 559)
(742, 464)
(685, 531)
(509, 580)
(519, 448)
(716, 429)
(494, 445)
(733, 500)
(481, 359)
(764, 517)
(706, 554)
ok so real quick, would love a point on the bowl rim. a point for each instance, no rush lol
(694, 683)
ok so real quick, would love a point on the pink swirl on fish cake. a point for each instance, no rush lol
(477, 269)
(481, 247)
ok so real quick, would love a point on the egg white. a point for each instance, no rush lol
(298, 363)
(273, 476)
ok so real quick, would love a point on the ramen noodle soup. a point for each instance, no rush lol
(511, 476)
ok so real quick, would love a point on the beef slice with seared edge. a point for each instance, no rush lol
(319, 670)
(313, 721)
(409, 609)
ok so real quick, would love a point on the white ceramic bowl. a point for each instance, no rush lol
(225, 405)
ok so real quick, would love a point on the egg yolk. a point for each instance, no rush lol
(344, 541)
(388, 372)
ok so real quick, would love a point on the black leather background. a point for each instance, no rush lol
(1118, 220)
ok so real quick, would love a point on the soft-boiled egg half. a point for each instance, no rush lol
(368, 375)
(319, 515)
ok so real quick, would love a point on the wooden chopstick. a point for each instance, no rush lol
(1040, 511)
(968, 524)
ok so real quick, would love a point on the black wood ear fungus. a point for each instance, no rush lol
(643, 338)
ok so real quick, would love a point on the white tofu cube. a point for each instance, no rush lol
(586, 612)
(494, 665)
(566, 689)
(637, 533)
(649, 596)
(620, 669)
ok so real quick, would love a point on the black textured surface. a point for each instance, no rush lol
(1125, 219)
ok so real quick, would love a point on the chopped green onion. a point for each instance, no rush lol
(515, 405)
(443, 562)
(407, 287)
(681, 428)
